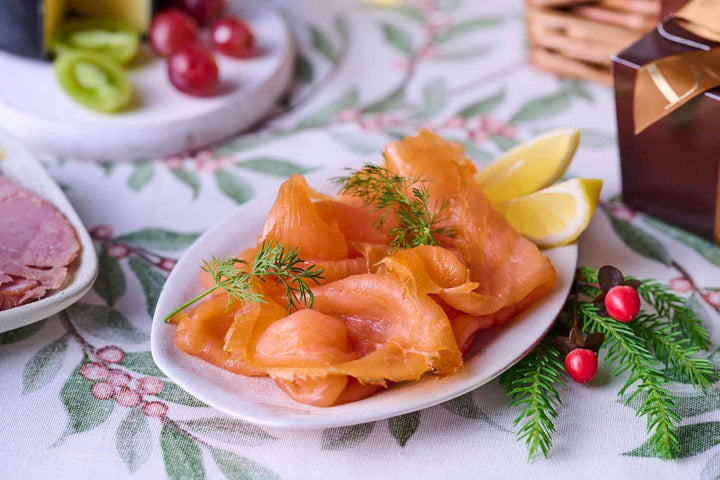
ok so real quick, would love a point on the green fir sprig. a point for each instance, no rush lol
(670, 334)
(272, 260)
(407, 199)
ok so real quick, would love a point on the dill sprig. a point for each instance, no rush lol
(406, 198)
(272, 259)
(532, 384)
(627, 352)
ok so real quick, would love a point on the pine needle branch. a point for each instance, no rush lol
(676, 308)
(627, 352)
(674, 350)
(532, 384)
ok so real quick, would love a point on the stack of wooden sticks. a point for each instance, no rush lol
(576, 38)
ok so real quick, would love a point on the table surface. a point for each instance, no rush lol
(365, 76)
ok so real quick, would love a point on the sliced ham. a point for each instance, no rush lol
(37, 244)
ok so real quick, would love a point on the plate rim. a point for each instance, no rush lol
(58, 300)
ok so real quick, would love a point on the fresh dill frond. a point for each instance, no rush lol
(407, 199)
(272, 259)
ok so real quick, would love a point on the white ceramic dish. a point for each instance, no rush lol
(34, 108)
(260, 401)
(21, 166)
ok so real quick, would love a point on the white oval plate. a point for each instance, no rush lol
(21, 166)
(35, 108)
(260, 401)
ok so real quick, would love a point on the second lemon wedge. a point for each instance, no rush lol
(556, 215)
(530, 166)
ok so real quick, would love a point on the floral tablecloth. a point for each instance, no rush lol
(365, 75)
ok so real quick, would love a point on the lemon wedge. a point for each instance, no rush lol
(555, 215)
(530, 166)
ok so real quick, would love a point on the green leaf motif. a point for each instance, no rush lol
(44, 365)
(228, 430)
(160, 239)
(275, 166)
(343, 28)
(693, 439)
(322, 44)
(404, 427)
(543, 107)
(172, 393)
(397, 37)
(142, 174)
(386, 104)
(107, 167)
(464, 54)
(85, 412)
(133, 441)
(143, 363)
(188, 178)
(434, 99)
(105, 323)
(304, 72)
(20, 334)
(686, 404)
(478, 154)
(110, 283)
(640, 241)
(328, 112)
(233, 186)
(707, 250)
(151, 281)
(359, 144)
(404, 9)
(341, 438)
(466, 27)
(182, 456)
(711, 471)
(483, 106)
(464, 406)
(504, 143)
(596, 139)
(235, 467)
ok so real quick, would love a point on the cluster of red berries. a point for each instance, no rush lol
(618, 300)
(114, 383)
(119, 250)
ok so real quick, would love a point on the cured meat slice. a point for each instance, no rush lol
(36, 245)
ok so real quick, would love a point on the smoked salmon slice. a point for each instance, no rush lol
(380, 315)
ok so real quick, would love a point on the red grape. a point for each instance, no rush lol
(204, 11)
(232, 36)
(192, 69)
(170, 30)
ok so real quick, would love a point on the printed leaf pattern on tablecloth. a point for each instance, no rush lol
(235, 467)
(158, 238)
(110, 283)
(183, 458)
(105, 323)
(397, 37)
(233, 186)
(175, 394)
(20, 334)
(640, 241)
(133, 440)
(709, 251)
(328, 112)
(188, 178)
(44, 365)
(274, 166)
(142, 174)
(711, 471)
(404, 427)
(434, 99)
(228, 430)
(483, 106)
(694, 439)
(464, 406)
(150, 280)
(84, 411)
(360, 144)
(466, 27)
(142, 362)
(341, 438)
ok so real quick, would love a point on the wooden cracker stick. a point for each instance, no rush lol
(581, 28)
(580, 49)
(559, 65)
(646, 7)
(635, 21)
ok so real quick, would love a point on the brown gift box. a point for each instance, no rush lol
(671, 168)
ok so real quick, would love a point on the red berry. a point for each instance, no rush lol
(167, 264)
(622, 303)
(128, 398)
(111, 354)
(192, 70)
(155, 409)
(118, 251)
(149, 385)
(118, 378)
(581, 364)
(232, 36)
(204, 11)
(170, 30)
(101, 232)
(102, 390)
(94, 371)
